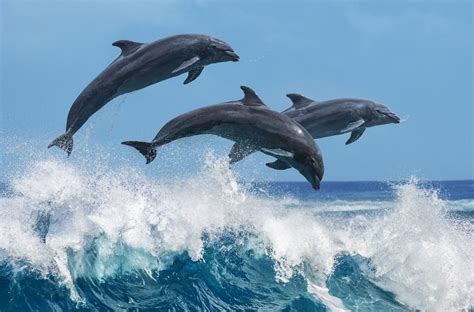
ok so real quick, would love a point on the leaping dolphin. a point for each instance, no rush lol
(247, 121)
(328, 118)
(140, 65)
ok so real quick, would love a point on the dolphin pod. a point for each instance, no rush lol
(288, 136)
(328, 118)
(140, 65)
(251, 122)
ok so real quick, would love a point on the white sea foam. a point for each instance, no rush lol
(141, 222)
(419, 254)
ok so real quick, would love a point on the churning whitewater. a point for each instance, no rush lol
(84, 238)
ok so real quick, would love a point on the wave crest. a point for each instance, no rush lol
(98, 223)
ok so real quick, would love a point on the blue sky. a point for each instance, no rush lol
(415, 57)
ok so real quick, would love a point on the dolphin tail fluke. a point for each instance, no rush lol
(145, 148)
(64, 142)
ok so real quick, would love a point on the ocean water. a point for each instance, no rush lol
(90, 238)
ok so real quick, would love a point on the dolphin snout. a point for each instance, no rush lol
(316, 186)
(385, 115)
(314, 171)
(234, 56)
(394, 117)
(316, 182)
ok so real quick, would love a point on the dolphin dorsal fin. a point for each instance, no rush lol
(299, 101)
(250, 97)
(127, 46)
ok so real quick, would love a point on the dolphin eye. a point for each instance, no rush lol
(214, 47)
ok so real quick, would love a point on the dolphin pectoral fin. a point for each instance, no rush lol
(277, 152)
(353, 125)
(278, 165)
(355, 135)
(250, 97)
(239, 151)
(193, 74)
(127, 46)
(186, 64)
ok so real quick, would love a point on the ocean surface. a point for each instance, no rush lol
(88, 239)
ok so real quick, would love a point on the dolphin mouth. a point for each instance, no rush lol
(314, 176)
(316, 183)
(394, 117)
(234, 56)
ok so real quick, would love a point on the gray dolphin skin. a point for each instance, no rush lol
(140, 65)
(328, 118)
(247, 121)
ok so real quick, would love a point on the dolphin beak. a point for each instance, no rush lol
(394, 117)
(316, 183)
(313, 175)
(234, 56)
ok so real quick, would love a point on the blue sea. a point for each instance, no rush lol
(115, 239)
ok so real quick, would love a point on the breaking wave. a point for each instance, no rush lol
(88, 237)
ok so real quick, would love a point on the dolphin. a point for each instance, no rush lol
(328, 118)
(140, 65)
(247, 121)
